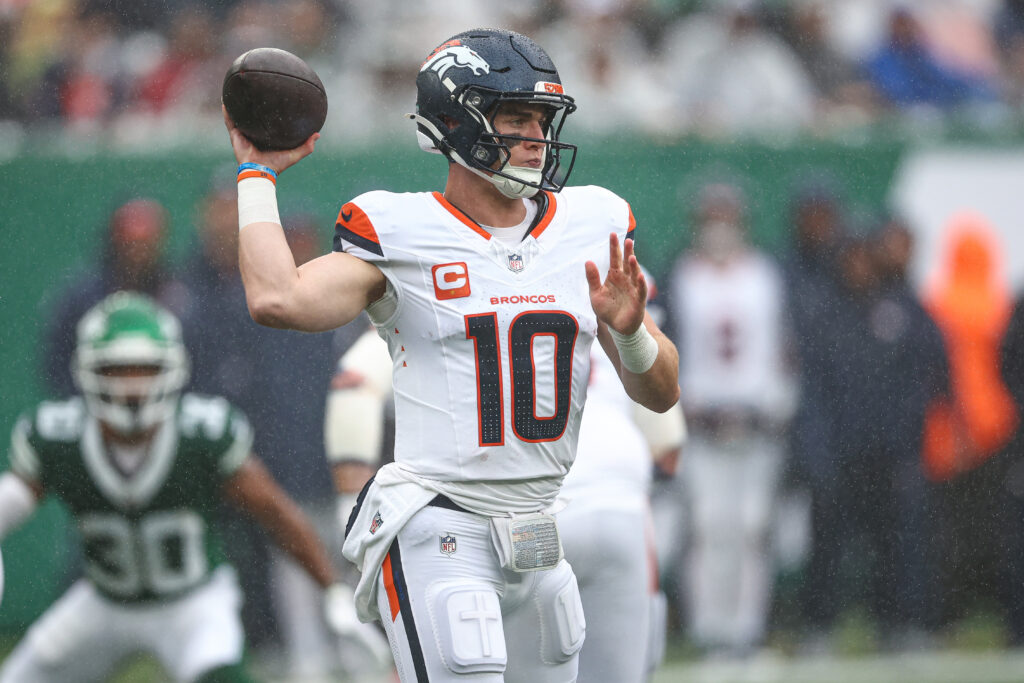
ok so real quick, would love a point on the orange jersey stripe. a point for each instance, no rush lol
(389, 586)
(463, 218)
(548, 215)
(358, 223)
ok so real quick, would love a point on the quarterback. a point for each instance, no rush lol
(489, 296)
(142, 467)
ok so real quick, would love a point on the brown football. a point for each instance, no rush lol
(275, 98)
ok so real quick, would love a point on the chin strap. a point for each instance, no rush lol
(518, 190)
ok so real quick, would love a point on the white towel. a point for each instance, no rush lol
(392, 499)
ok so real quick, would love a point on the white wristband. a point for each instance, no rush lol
(637, 351)
(257, 202)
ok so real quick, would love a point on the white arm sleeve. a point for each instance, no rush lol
(17, 501)
(662, 430)
(354, 421)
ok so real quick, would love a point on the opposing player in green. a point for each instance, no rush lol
(142, 467)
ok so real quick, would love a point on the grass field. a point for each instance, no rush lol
(926, 667)
(941, 666)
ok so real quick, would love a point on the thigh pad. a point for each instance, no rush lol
(466, 616)
(562, 625)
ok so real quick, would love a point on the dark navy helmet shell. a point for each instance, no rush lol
(461, 86)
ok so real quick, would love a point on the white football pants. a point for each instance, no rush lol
(83, 636)
(608, 552)
(731, 491)
(453, 614)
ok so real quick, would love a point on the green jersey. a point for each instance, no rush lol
(146, 532)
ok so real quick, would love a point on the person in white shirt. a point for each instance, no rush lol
(606, 528)
(727, 302)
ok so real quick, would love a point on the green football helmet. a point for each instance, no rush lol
(130, 363)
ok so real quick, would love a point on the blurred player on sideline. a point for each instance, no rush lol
(142, 468)
(739, 393)
(489, 296)
(606, 528)
(354, 439)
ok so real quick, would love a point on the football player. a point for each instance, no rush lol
(606, 527)
(355, 417)
(489, 296)
(354, 440)
(142, 467)
(727, 300)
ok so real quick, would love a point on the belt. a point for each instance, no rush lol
(443, 501)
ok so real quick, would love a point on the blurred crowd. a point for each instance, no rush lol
(128, 72)
(847, 430)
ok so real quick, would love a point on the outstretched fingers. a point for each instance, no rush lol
(638, 278)
(630, 265)
(614, 253)
(593, 276)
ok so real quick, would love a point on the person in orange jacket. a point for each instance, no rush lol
(969, 299)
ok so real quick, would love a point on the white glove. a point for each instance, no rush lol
(340, 612)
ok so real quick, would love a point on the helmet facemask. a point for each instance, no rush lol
(490, 155)
(131, 403)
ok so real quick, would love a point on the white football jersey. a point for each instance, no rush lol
(490, 344)
(731, 335)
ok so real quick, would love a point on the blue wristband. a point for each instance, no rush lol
(249, 166)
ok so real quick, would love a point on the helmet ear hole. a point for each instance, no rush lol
(484, 155)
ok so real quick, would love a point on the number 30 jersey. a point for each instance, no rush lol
(490, 344)
(145, 535)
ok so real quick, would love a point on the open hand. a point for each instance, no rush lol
(620, 301)
(278, 160)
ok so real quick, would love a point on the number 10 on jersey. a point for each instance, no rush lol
(523, 332)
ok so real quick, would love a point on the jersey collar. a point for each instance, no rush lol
(139, 489)
(545, 212)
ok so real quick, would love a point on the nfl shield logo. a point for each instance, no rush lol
(515, 263)
(377, 521)
(447, 544)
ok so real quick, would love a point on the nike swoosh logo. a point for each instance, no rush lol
(346, 216)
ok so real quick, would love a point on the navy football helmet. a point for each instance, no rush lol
(459, 89)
